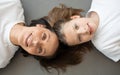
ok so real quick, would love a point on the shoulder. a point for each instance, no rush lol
(9, 1)
(9, 4)
(109, 47)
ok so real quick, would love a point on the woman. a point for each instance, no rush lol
(100, 25)
(37, 40)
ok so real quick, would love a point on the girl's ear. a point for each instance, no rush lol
(75, 16)
(40, 25)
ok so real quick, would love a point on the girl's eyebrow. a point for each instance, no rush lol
(78, 36)
(73, 26)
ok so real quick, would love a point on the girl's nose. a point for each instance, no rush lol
(83, 30)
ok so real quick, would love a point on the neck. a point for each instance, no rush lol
(15, 31)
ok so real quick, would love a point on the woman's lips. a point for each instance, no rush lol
(28, 40)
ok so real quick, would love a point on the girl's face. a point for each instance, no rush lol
(78, 30)
(38, 41)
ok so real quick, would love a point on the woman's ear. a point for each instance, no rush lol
(40, 25)
(75, 16)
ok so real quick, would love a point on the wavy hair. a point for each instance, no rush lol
(65, 55)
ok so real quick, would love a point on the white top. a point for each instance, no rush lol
(107, 37)
(11, 12)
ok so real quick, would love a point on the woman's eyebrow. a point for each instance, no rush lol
(79, 38)
(44, 51)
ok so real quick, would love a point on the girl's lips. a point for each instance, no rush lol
(28, 40)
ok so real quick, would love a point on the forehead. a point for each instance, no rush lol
(69, 32)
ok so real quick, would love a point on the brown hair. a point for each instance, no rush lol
(62, 12)
(60, 15)
(65, 55)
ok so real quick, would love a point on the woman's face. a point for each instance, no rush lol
(38, 41)
(78, 30)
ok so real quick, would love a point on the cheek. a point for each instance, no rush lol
(86, 38)
(51, 46)
(31, 50)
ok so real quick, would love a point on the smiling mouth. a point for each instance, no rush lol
(28, 40)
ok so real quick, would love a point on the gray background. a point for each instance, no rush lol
(94, 63)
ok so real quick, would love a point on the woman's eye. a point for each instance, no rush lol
(39, 50)
(76, 27)
(44, 36)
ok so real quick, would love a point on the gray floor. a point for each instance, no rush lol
(94, 64)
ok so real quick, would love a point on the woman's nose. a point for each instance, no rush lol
(35, 43)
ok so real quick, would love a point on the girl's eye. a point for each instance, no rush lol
(44, 36)
(76, 27)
